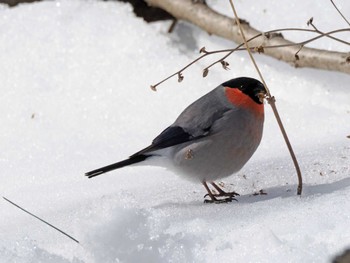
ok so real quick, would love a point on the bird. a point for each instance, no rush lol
(213, 138)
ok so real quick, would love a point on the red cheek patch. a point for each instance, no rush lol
(241, 100)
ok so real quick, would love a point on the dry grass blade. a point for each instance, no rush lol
(42, 220)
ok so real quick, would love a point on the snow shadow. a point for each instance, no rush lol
(27, 250)
(184, 38)
(271, 193)
(132, 235)
(284, 192)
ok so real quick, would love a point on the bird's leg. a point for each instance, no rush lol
(223, 193)
(213, 198)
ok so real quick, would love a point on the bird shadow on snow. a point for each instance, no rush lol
(275, 192)
(285, 192)
(133, 234)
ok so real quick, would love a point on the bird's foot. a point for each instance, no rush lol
(222, 193)
(218, 201)
(228, 196)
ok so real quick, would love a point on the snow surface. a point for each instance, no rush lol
(75, 96)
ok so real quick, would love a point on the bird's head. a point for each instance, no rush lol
(247, 93)
(248, 86)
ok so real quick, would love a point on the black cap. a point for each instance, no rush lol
(251, 87)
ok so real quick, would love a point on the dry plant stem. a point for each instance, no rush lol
(253, 48)
(223, 26)
(329, 36)
(248, 49)
(271, 101)
(340, 12)
(172, 26)
(300, 45)
(42, 220)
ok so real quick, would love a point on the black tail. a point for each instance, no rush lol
(133, 159)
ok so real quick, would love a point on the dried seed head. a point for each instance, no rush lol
(180, 77)
(153, 88)
(296, 56)
(259, 49)
(348, 59)
(273, 35)
(309, 22)
(202, 50)
(205, 72)
(225, 65)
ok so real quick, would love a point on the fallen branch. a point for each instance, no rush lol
(259, 49)
(226, 27)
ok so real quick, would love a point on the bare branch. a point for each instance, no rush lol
(223, 26)
(310, 23)
(154, 87)
(259, 49)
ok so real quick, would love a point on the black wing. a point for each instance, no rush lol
(171, 136)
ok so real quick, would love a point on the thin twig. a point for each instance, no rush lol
(223, 26)
(296, 54)
(240, 48)
(59, 230)
(310, 22)
(261, 48)
(271, 101)
(340, 12)
(321, 34)
(154, 87)
(172, 26)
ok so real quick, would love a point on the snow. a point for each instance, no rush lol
(75, 96)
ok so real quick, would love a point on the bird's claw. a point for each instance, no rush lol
(224, 197)
(229, 195)
(220, 201)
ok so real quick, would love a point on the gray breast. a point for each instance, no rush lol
(233, 140)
